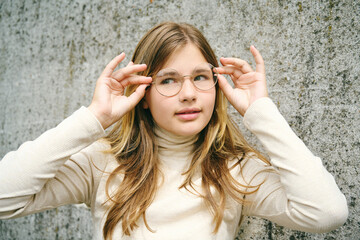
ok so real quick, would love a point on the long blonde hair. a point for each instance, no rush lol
(132, 141)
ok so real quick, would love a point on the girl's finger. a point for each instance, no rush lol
(128, 70)
(260, 65)
(230, 70)
(239, 63)
(246, 80)
(136, 96)
(134, 80)
(225, 86)
(109, 69)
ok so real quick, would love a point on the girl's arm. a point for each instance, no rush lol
(300, 193)
(39, 175)
(42, 174)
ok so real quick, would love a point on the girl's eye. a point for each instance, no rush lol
(201, 78)
(167, 81)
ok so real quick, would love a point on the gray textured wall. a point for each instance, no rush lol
(53, 52)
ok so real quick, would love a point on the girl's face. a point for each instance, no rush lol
(189, 111)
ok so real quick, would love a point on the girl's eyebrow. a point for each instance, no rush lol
(173, 72)
(201, 70)
(170, 72)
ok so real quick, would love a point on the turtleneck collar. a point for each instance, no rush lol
(175, 152)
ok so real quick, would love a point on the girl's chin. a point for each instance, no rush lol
(184, 128)
(186, 132)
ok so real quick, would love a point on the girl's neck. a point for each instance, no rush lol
(175, 152)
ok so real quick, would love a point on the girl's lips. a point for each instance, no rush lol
(188, 114)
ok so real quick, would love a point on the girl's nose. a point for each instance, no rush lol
(188, 91)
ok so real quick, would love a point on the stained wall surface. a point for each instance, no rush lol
(52, 52)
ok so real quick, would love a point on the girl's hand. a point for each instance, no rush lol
(109, 103)
(249, 85)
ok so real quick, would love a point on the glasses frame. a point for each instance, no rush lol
(191, 77)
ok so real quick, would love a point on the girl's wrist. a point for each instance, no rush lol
(100, 117)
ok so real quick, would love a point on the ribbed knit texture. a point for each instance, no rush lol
(67, 165)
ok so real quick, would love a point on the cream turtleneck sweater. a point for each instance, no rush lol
(175, 152)
(62, 167)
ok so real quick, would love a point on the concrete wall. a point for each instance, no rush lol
(53, 52)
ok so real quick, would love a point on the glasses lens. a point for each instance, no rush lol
(168, 82)
(204, 76)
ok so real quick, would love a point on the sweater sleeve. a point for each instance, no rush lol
(296, 191)
(40, 174)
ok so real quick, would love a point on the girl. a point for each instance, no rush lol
(174, 165)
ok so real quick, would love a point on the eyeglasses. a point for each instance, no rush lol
(168, 82)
